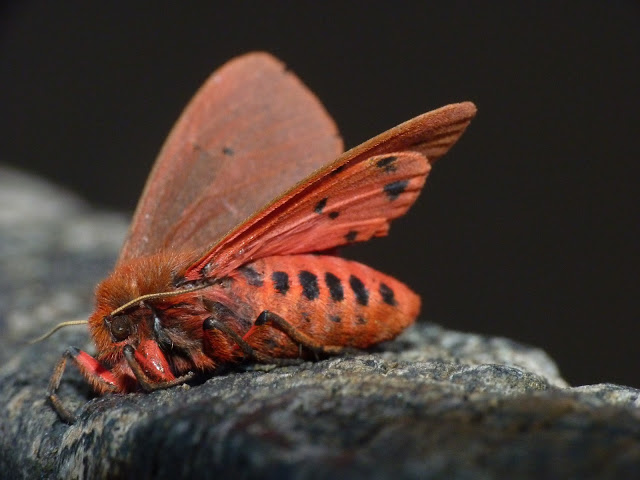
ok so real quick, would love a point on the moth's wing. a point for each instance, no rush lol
(432, 134)
(352, 199)
(250, 129)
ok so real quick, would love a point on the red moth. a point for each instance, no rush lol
(221, 266)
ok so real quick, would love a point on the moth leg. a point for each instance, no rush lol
(276, 321)
(148, 384)
(212, 324)
(101, 379)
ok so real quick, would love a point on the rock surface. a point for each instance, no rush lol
(432, 404)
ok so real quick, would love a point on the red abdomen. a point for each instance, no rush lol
(333, 300)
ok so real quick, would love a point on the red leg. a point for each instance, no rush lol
(249, 352)
(100, 378)
(151, 368)
(276, 321)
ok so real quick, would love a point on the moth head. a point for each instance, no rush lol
(111, 333)
(121, 327)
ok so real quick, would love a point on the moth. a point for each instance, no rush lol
(231, 254)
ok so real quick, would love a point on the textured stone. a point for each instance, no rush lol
(432, 404)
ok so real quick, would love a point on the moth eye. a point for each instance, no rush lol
(121, 327)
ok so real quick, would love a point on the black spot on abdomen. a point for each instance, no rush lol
(335, 287)
(253, 277)
(387, 295)
(280, 282)
(360, 291)
(309, 284)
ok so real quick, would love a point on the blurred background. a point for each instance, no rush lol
(529, 227)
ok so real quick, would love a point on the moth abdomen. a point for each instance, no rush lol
(330, 298)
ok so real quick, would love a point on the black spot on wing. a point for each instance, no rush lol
(351, 236)
(338, 170)
(387, 163)
(334, 215)
(360, 291)
(309, 284)
(280, 282)
(253, 277)
(228, 151)
(387, 295)
(335, 287)
(361, 320)
(320, 205)
(335, 318)
(394, 189)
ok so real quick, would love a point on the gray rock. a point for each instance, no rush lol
(432, 404)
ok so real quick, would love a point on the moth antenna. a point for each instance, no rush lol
(152, 296)
(69, 323)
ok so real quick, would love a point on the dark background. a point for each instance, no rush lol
(527, 229)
